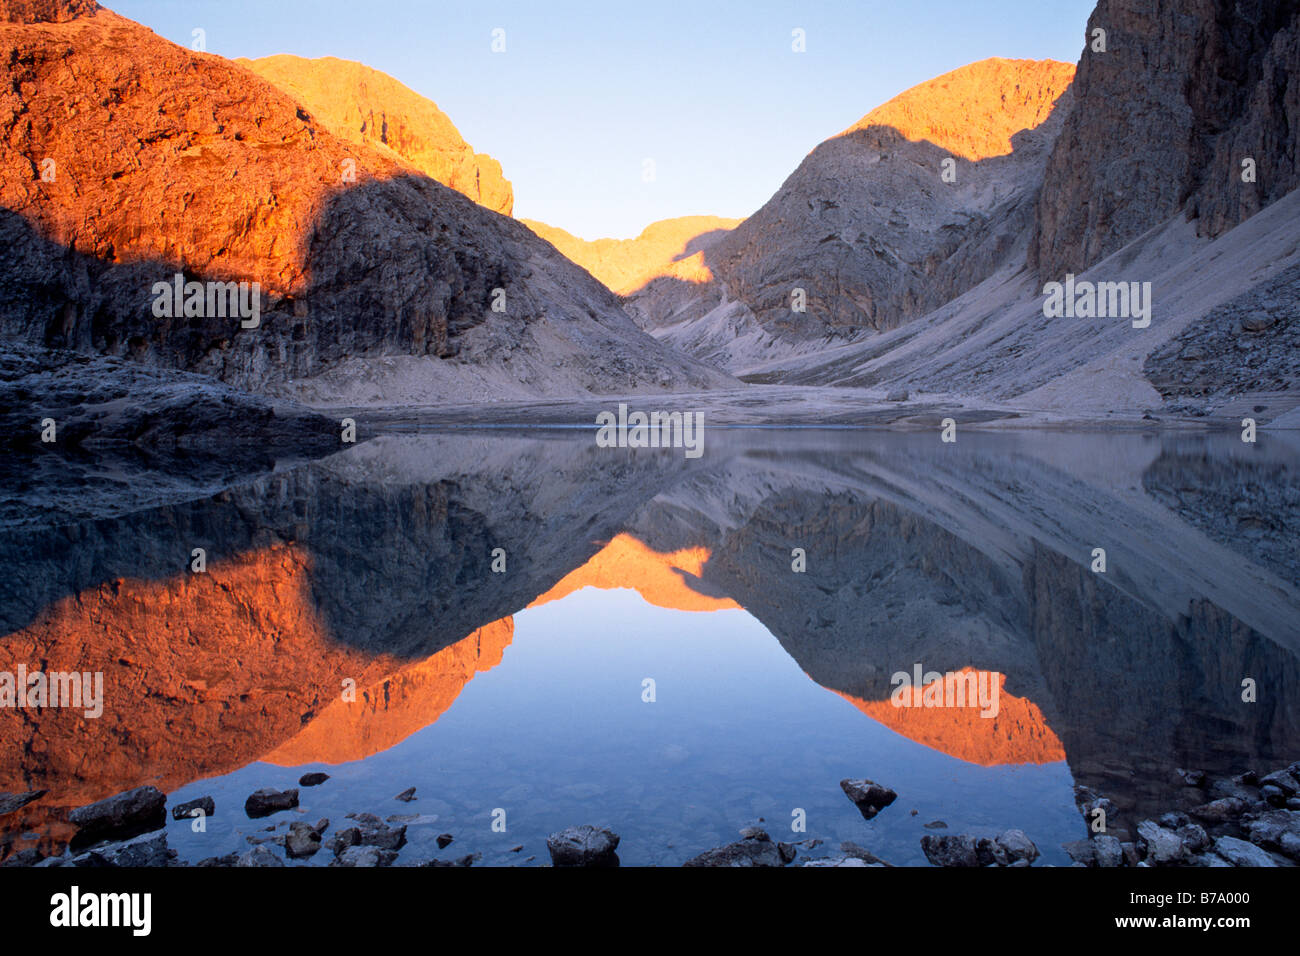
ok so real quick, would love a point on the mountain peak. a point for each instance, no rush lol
(363, 105)
(974, 111)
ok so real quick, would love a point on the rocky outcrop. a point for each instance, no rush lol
(126, 160)
(1163, 120)
(97, 402)
(122, 815)
(868, 227)
(1247, 346)
(364, 105)
(264, 802)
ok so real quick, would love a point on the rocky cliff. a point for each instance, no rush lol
(364, 105)
(912, 205)
(127, 160)
(1185, 92)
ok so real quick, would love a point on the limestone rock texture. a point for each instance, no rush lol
(869, 228)
(364, 105)
(44, 11)
(125, 159)
(1185, 91)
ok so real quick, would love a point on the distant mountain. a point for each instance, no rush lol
(1176, 166)
(1170, 162)
(363, 105)
(869, 232)
(668, 248)
(127, 160)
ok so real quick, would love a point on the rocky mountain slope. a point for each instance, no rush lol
(1163, 121)
(1143, 185)
(364, 105)
(670, 248)
(127, 159)
(869, 227)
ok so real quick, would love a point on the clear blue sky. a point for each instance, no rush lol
(586, 91)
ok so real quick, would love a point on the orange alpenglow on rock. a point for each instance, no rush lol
(45, 11)
(387, 712)
(660, 578)
(365, 105)
(203, 674)
(974, 111)
(671, 248)
(1017, 735)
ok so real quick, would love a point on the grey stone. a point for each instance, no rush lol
(120, 816)
(868, 796)
(1240, 853)
(950, 850)
(1017, 845)
(355, 856)
(264, 802)
(259, 856)
(1109, 851)
(185, 811)
(585, 846)
(1163, 847)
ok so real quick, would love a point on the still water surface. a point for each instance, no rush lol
(524, 690)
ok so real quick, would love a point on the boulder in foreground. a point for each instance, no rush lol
(583, 846)
(119, 817)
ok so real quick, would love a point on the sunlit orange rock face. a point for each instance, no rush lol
(386, 713)
(227, 182)
(204, 673)
(1017, 735)
(671, 247)
(657, 576)
(364, 105)
(974, 111)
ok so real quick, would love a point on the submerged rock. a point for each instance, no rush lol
(266, 801)
(584, 846)
(851, 849)
(259, 856)
(383, 836)
(757, 849)
(185, 811)
(313, 779)
(365, 856)
(868, 796)
(303, 839)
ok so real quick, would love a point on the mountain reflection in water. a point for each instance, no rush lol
(523, 689)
